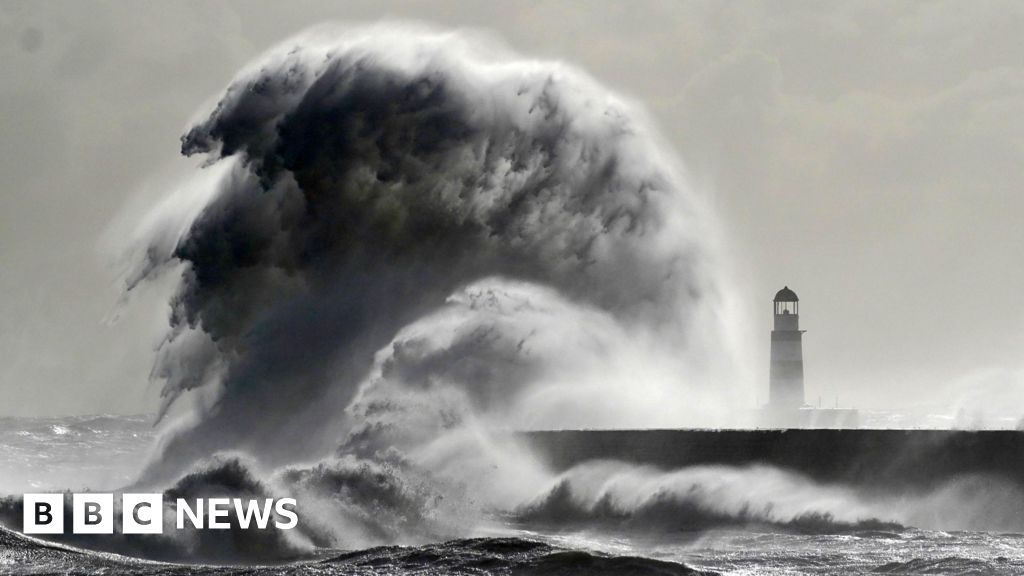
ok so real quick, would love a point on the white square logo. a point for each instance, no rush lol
(92, 514)
(43, 514)
(142, 513)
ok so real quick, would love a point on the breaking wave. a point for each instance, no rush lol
(629, 498)
(366, 181)
(402, 244)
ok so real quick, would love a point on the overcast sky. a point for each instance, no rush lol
(869, 155)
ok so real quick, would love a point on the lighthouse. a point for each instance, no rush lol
(786, 376)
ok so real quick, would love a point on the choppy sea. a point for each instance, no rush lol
(40, 454)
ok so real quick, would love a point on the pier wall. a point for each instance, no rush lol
(889, 458)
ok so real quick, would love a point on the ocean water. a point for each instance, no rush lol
(104, 451)
(71, 453)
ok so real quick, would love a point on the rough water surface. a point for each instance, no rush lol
(510, 549)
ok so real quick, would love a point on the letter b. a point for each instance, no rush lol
(92, 513)
(43, 514)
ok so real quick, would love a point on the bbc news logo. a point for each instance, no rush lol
(93, 513)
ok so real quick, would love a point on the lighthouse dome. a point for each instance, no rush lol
(786, 295)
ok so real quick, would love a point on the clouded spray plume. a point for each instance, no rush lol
(519, 220)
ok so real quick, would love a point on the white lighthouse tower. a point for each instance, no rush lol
(786, 407)
(786, 376)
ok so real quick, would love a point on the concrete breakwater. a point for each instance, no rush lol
(893, 459)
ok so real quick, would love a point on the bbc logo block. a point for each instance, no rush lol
(93, 513)
(43, 514)
(142, 513)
